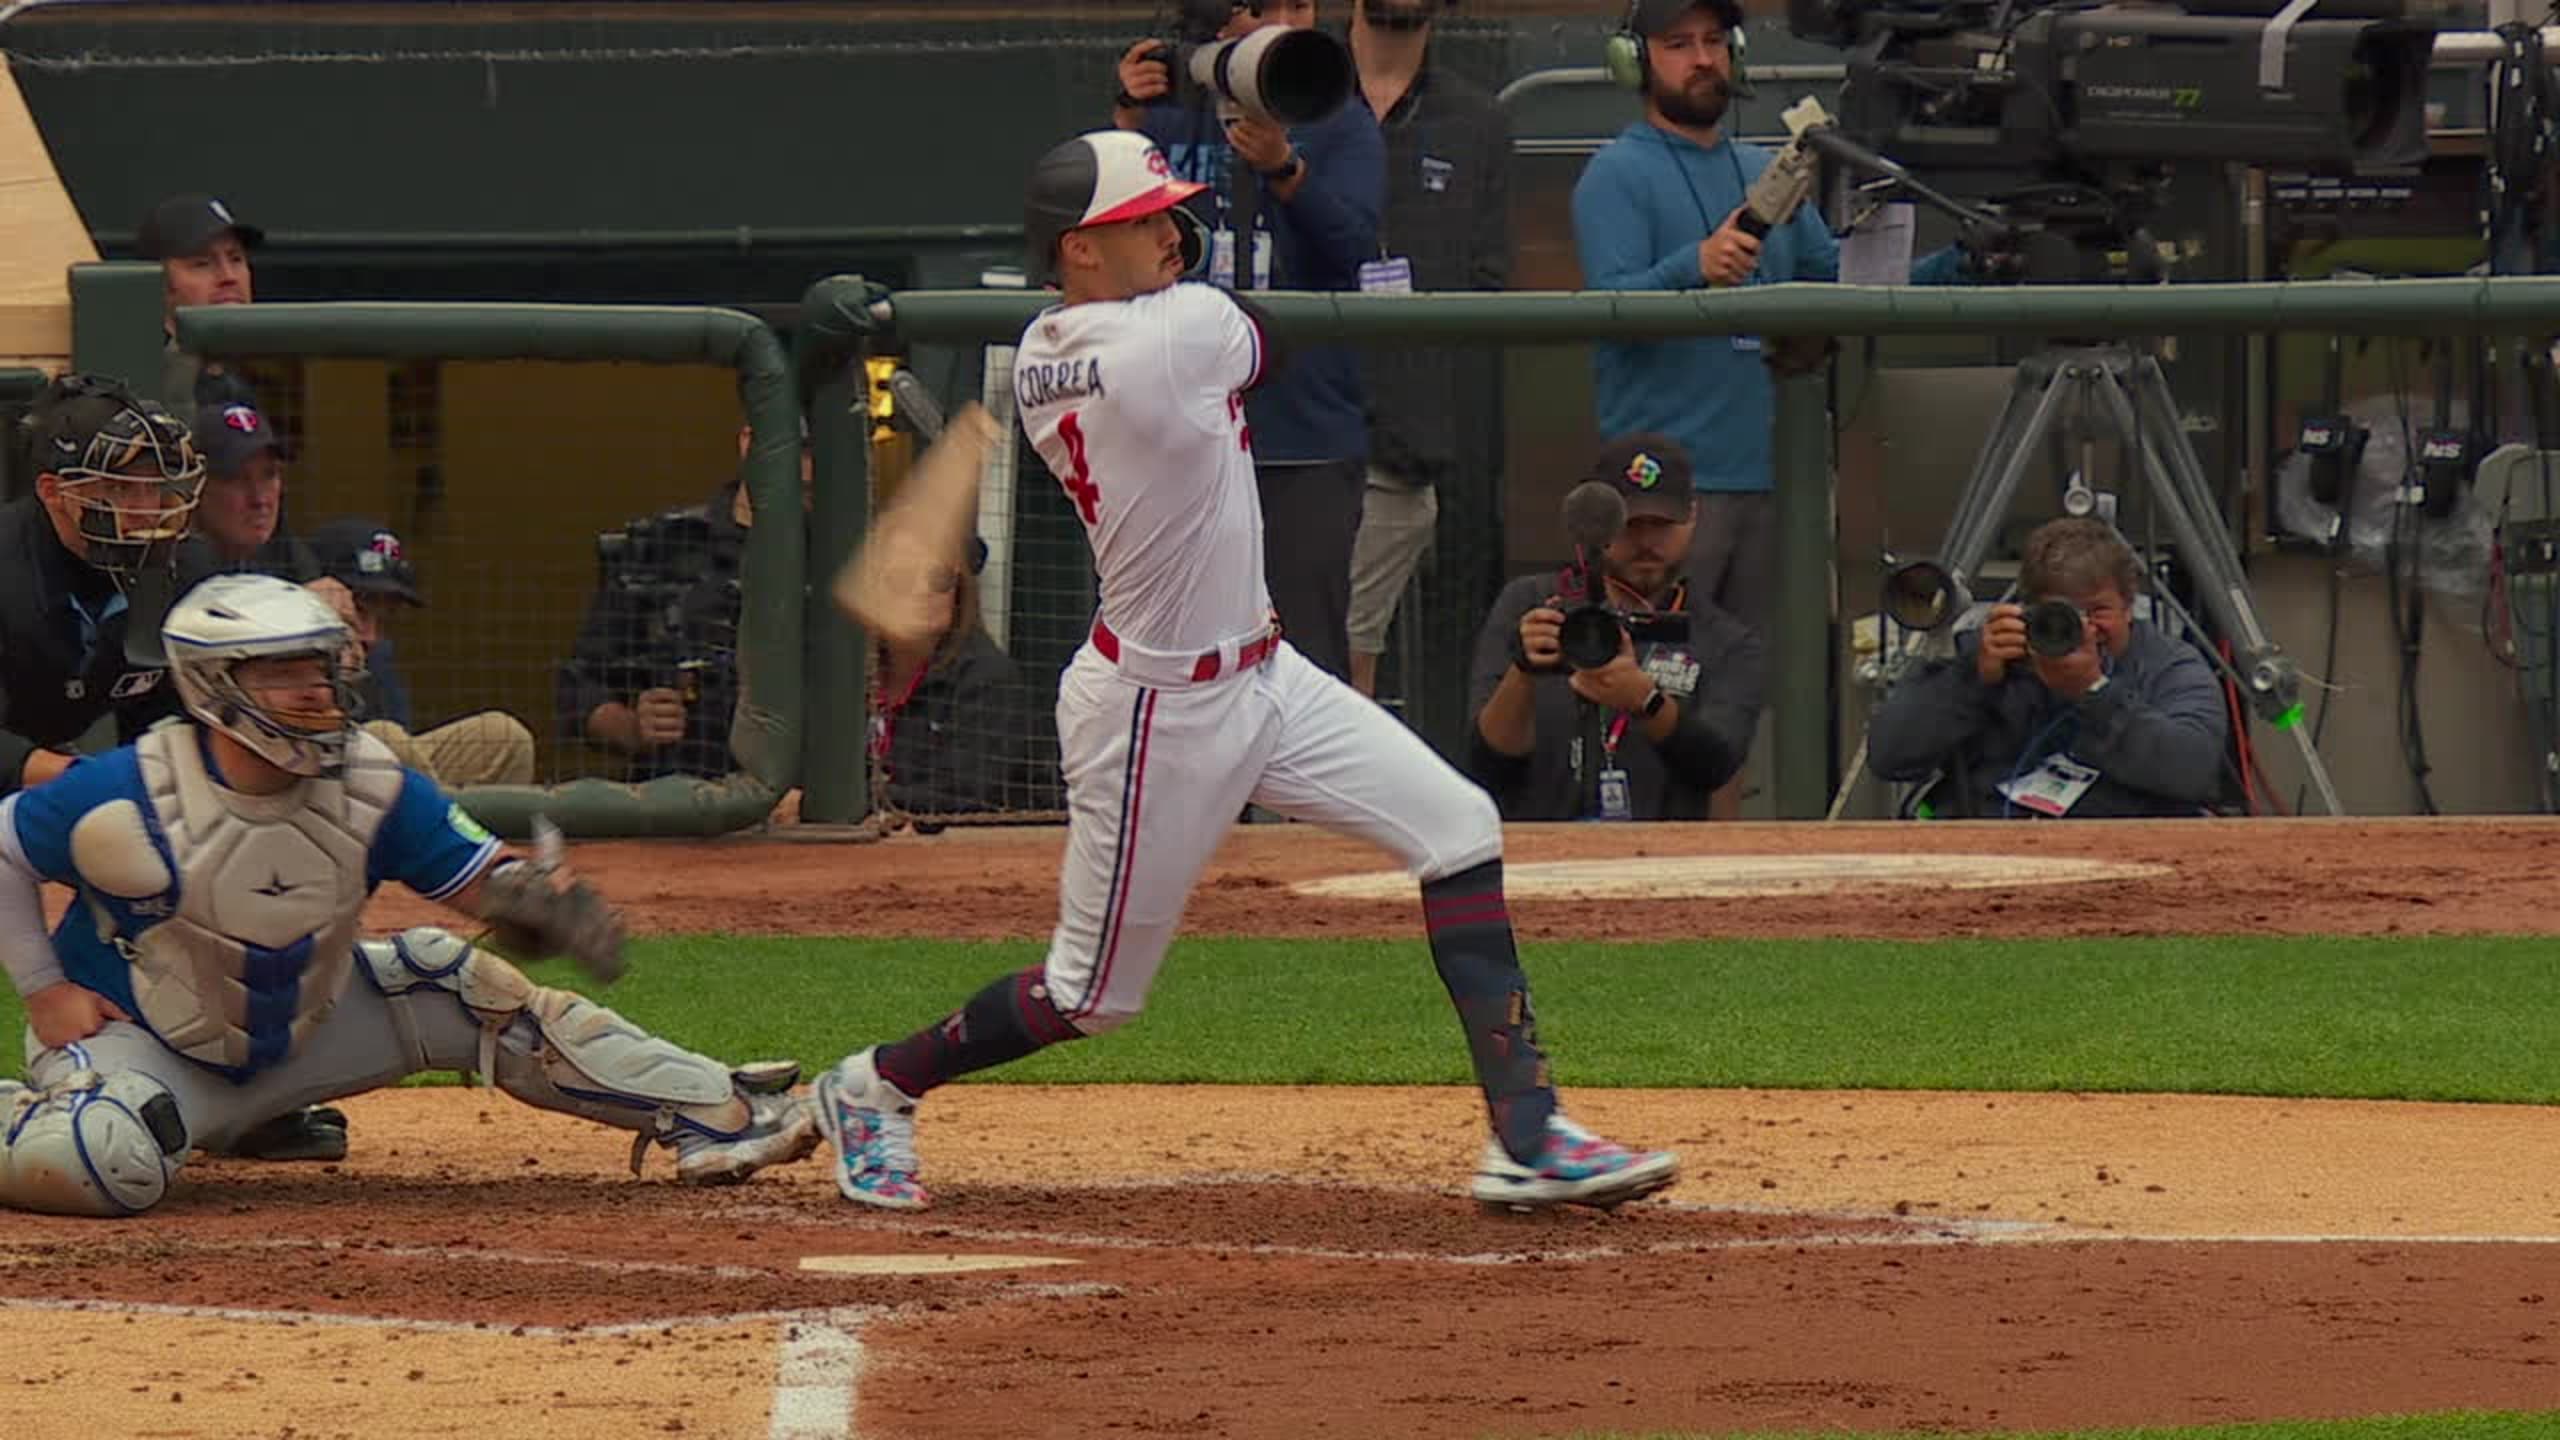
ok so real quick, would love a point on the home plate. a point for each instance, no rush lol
(923, 1264)
(1733, 876)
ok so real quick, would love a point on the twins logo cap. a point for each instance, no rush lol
(1101, 178)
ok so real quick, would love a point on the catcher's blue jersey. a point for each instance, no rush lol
(426, 842)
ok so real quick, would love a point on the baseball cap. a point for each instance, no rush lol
(1100, 178)
(1649, 471)
(366, 558)
(1651, 17)
(230, 433)
(185, 224)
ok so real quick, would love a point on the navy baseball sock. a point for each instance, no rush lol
(1007, 1020)
(1471, 946)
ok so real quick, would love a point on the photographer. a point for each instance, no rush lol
(654, 677)
(2074, 709)
(1288, 208)
(1651, 732)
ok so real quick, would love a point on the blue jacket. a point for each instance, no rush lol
(2155, 734)
(1314, 408)
(1641, 208)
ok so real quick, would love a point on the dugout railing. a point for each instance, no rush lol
(770, 720)
(1800, 648)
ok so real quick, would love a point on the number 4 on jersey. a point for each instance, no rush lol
(1080, 486)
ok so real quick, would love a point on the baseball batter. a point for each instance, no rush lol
(1185, 703)
(208, 975)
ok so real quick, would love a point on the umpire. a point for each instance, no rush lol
(117, 481)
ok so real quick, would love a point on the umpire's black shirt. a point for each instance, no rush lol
(62, 660)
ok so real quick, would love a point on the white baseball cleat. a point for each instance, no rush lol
(872, 1125)
(1577, 1168)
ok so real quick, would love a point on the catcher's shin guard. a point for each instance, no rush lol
(92, 1144)
(1472, 948)
(558, 1050)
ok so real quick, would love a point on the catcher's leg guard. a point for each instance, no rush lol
(89, 1144)
(561, 1051)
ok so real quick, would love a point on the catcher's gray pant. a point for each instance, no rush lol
(355, 1050)
(109, 1117)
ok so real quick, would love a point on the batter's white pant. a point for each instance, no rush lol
(1156, 774)
(355, 1050)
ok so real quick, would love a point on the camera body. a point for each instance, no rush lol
(1592, 630)
(1591, 633)
(661, 570)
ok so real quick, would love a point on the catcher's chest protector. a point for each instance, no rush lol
(263, 911)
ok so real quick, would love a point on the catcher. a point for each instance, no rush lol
(209, 975)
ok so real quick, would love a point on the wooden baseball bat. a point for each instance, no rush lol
(894, 584)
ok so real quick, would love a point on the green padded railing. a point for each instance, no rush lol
(766, 735)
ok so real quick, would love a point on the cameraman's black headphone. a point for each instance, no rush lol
(1624, 56)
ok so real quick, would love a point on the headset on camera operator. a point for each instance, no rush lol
(655, 673)
(1296, 170)
(1611, 692)
(2064, 706)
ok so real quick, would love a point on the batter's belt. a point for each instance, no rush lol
(1161, 668)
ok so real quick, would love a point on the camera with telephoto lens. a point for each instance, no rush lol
(686, 629)
(1592, 631)
(2055, 628)
(1278, 74)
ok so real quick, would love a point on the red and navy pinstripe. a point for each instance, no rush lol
(1133, 784)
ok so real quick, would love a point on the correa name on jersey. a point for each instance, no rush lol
(1047, 384)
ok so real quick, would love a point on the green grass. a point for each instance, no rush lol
(2413, 1427)
(2375, 1018)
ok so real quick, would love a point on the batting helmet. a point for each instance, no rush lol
(1103, 178)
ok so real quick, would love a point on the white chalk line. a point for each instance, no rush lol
(816, 1372)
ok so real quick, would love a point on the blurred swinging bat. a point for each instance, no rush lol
(918, 546)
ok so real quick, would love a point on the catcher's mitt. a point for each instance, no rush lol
(535, 911)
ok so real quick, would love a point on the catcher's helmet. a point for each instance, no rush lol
(1103, 178)
(229, 619)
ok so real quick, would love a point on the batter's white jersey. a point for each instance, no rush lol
(1137, 406)
(1183, 710)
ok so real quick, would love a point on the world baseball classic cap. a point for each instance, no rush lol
(229, 434)
(1650, 472)
(366, 558)
(186, 224)
(1100, 178)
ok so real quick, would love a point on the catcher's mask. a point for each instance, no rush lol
(128, 468)
(229, 621)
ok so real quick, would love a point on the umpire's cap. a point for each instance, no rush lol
(1100, 178)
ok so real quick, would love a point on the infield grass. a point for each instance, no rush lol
(2465, 1426)
(2434, 1019)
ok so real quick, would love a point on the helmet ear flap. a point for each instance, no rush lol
(1195, 237)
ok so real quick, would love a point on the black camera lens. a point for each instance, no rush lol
(2054, 628)
(1589, 637)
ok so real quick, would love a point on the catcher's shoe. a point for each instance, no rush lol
(778, 1130)
(1578, 1168)
(872, 1125)
(318, 1133)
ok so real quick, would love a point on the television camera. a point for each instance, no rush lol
(2065, 117)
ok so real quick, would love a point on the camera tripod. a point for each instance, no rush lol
(2110, 387)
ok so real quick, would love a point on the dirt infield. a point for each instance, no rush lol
(1268, 1263)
